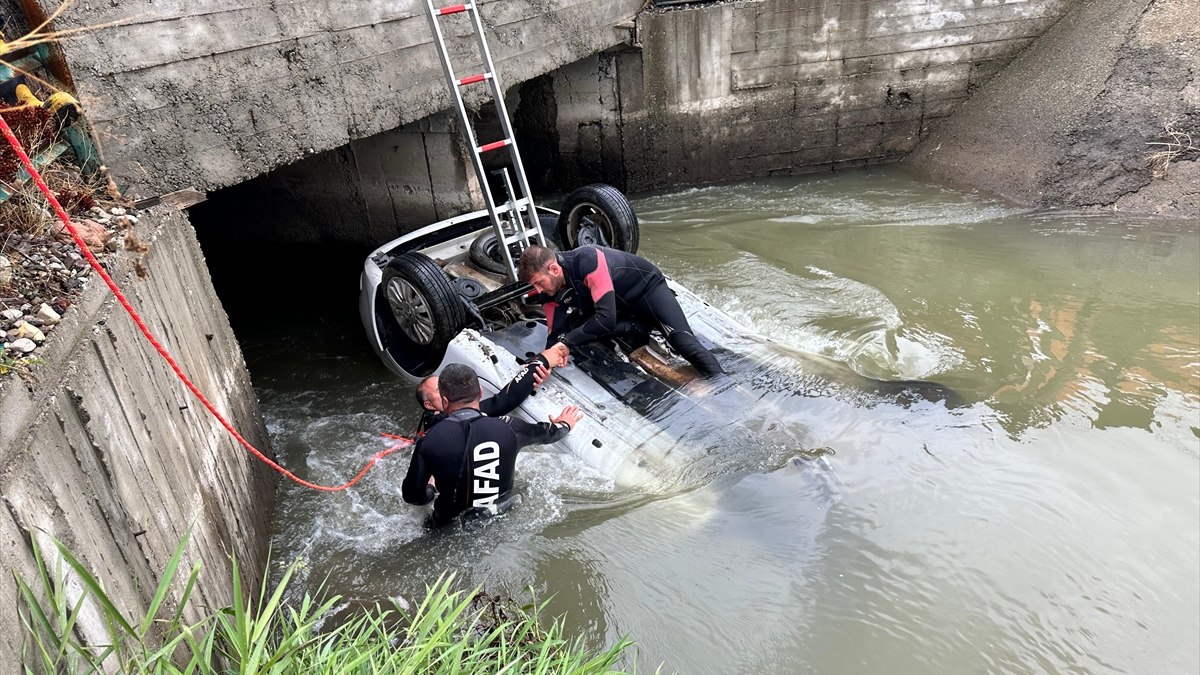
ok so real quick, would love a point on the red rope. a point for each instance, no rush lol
(62, 215)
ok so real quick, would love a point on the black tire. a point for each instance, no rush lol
(598, 209)
(485, 253)
(485, 250)
(423, 301)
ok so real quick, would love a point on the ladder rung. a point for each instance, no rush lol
(494, 146)
(453, 9)
(472, 79)
(529, 234)
(513, 206)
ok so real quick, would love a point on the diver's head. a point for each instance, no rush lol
(539, 268)
(459, 388)
(427, 394)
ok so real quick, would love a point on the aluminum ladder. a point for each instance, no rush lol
(516, 221)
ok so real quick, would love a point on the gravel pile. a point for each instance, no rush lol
(41, 276)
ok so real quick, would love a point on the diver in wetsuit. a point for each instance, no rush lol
(501, 403)
(472, 457)
(592, 292)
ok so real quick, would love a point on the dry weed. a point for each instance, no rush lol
(1178, 145)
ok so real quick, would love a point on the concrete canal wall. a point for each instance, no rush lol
(736, 90)
(109, 453)
(683, 96)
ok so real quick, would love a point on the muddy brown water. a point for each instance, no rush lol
(1050, 524)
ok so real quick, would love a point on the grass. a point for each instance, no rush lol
(451, 631)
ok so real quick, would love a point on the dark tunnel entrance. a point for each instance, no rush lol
(285, 250)
(273, 282)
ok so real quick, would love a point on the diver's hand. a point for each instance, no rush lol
(540, 373)
(570, 415)
(557, 355)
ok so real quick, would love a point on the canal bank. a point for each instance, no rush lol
(1103, 110)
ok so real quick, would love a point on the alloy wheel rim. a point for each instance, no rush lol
(411, 311)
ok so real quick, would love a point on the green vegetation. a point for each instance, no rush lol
(451, 631)
(17, 364)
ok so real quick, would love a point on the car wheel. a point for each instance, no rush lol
(423, 301)
(485, 250)
(598, 215)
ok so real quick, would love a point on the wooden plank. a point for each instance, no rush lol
(178, 200)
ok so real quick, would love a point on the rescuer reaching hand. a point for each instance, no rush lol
(472, 456)
(501, 403)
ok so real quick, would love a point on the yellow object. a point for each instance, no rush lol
(58, 100)
(25, 96)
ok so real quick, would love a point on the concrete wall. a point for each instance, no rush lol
(112, 455)
(744, 89)
(210, 93)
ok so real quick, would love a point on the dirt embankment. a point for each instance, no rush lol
(1104, 110)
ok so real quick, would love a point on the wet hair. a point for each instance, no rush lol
(533, 260)
(458, 384)
(421, 398)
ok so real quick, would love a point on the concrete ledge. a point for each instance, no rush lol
(109, 452)
(212, 93)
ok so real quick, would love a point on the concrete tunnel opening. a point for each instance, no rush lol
(290, 244)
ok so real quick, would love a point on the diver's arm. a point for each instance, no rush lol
(545, 432)
(604, 299)
(416, 488)
(539, 433)
(515, 392)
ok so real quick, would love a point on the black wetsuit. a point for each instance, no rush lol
(472, 458)
(603, 284)
(503, 402)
